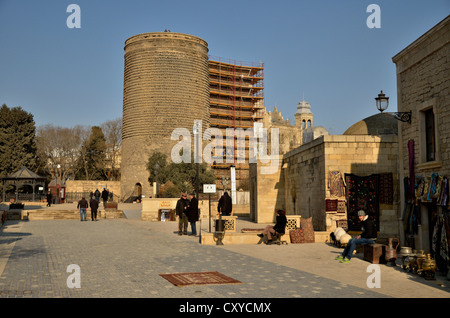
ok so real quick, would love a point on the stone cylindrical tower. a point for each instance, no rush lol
(166, 86)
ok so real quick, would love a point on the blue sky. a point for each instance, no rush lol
(322, 49)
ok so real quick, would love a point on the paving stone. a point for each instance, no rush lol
(123, 258)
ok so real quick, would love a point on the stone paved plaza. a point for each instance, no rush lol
(124, 257)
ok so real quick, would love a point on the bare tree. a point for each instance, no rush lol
(61, 146)
(112, 131)
(66, 148)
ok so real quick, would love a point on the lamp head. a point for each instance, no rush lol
(382, 102)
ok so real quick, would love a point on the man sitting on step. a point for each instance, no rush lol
(368, 236)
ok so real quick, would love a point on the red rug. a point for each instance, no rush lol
(200, 278)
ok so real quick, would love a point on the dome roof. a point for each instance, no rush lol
(311, 133)
(379, 124)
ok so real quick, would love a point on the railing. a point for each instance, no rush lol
(76, 196)
(9, 197)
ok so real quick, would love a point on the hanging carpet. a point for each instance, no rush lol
(362, 194)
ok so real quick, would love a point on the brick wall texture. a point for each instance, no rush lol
(423, 78)
(306, 175)
(166, 86)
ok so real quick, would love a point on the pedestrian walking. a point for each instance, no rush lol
(94, 208)
(83, 205)
(105, 196)
(181, 211)
(225, 204)
(49, 198)
(193, 213)
(97, 195)
(368, 236)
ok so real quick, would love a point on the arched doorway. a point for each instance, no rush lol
(138, 191)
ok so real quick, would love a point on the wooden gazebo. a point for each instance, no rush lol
(21, 178)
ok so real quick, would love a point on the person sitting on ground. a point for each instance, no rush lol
(279, 226)
(368, 236)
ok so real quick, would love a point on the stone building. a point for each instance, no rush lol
(313, 179)
(396, 171)
(290, 136)
(423, 87)
(293, 136)
(166, 86)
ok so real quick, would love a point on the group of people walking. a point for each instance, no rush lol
(105, 195)
(94, 202)
(83, 205)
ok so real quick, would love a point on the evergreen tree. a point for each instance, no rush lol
(17, 140)
(92, 160)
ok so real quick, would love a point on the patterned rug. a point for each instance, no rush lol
(386, 188)
(362, 194)
(336, 184)
(331, 205)
(199, 278)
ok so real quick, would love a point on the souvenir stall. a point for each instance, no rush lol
(426, 220)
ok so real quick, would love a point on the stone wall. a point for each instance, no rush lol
(423, 84)
(306, 173)
(266, 190)
(86, 186)
(423, 81)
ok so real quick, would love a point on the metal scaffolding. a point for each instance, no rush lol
(236, 101)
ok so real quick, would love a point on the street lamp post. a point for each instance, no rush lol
(197, 131)
(382, 102)
(57, 193)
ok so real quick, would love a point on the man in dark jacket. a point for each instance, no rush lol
(94, 208)
(105, 196)
(82, 205)
(193, 213)
(49, 198)
(181, 211)
(368, 236)
(225, 204)
(97, 195)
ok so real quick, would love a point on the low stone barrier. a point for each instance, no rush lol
(35, 215)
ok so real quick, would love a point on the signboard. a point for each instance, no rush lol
(209, 188)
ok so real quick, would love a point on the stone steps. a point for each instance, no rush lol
(52, 215)
(34, 215)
